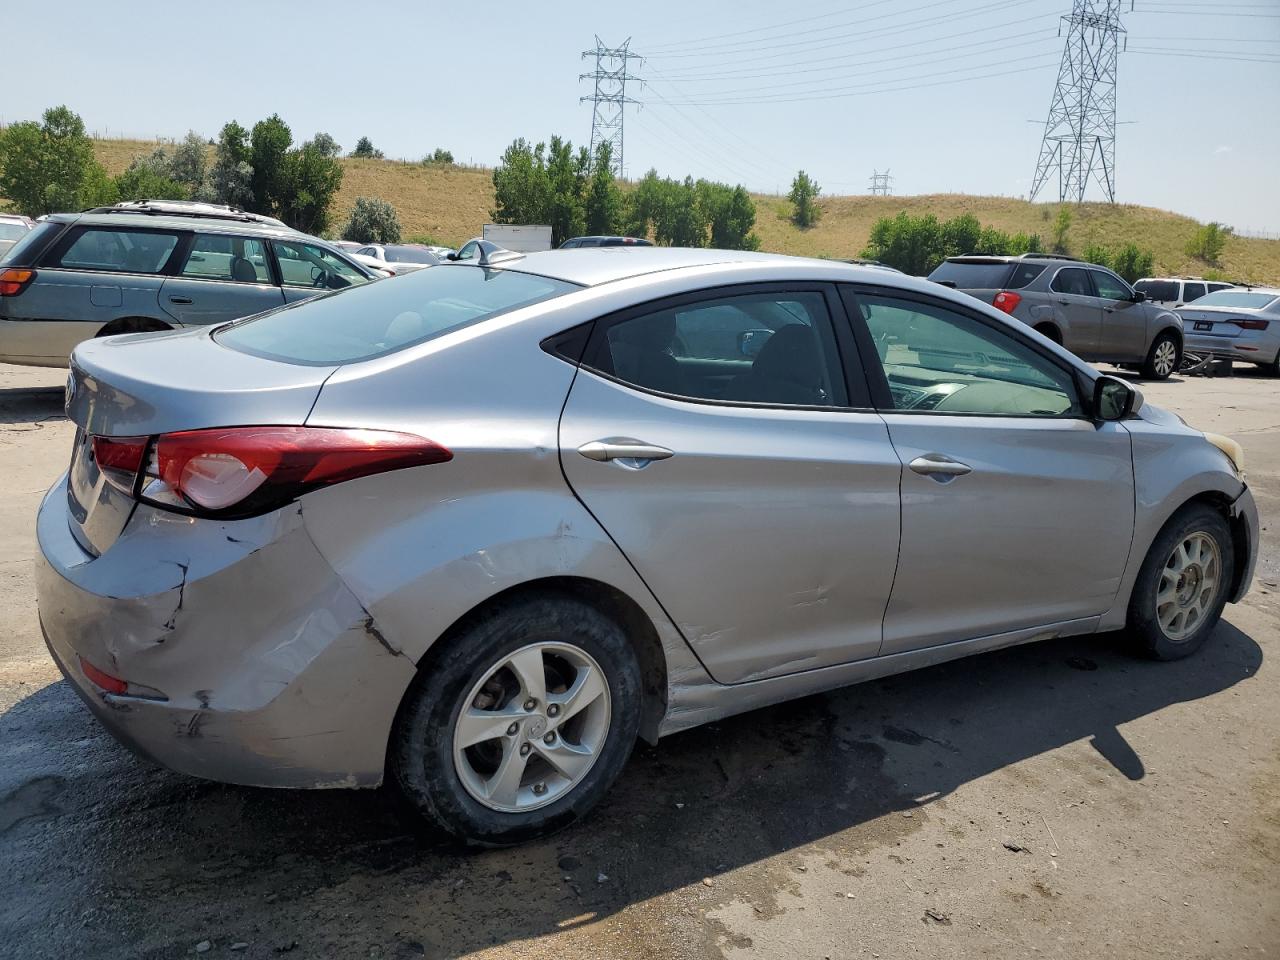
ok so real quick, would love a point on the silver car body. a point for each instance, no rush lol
(1240, 323)
(779, 551)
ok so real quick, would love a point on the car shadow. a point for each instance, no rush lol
(31, 405)
(342, 873)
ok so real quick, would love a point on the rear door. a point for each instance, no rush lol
(1072, 294)
(1123, 334)
(223, 278)
(758, 498)
(1017, 511)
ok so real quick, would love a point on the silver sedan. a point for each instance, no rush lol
(479, 529)
(1238, 324)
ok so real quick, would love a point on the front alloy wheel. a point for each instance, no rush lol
(1163, 359)
(1188, 585)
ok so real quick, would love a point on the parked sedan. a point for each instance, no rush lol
(1241, 324)
(480, 528)
(399, 258)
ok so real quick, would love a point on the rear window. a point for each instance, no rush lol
(974, 276)
(381, 318)
(32, 242)
(1192, 291)
(410, 255)
(1166, 291)
(12, 231)
(1240, 299)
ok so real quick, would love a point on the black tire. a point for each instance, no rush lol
(1153, 366)
(1148, 635)
(1272, 369)
(421, 754)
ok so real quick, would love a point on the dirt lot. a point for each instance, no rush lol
(878, 821)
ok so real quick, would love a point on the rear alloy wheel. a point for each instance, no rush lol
(1182, 586)
(1163, 358)
(521, 723)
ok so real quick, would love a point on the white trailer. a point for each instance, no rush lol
(522, 238)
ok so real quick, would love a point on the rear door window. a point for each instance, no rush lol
(1074, 281)
(122, 251)
(236, 259)
(1192, 291)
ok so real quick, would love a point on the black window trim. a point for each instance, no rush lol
(53, 253)
(847, 360)
(874, 373)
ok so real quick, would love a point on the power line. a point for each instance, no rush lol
(1079, 141)
(661, 48)
(609, 101)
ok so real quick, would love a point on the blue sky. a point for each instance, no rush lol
(943, 91)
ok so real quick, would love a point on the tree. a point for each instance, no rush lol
(45, 167)
(189, 162)
(804, 196)
(603, 203)
(366, 150)
(326, 145)
(372, 221)
(439, 156)
(1061, 227)
(1208, 242)
(1132, 263)
(961, 235)
(230, 180)
(147, 179)
(912, 244)
(268, 147)
(730, 214)
(521, 189)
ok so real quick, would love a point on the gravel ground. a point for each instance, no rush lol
(1060, 800)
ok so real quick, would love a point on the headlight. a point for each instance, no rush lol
(1233, 450)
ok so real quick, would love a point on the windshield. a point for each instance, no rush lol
(410, 255)
(1240, 299)
(374, 320)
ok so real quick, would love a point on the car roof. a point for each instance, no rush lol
(589, 266)
(179, 222)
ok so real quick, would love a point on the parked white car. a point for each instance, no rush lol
(398, 258)
(1174, 292)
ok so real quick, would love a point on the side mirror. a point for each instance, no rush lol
(1139, 296)
(750, 342)
(1114, 399)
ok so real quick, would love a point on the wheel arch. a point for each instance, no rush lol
(1050, 329)
(132, 325)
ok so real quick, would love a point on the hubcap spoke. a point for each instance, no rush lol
(529, 669)
(570, 760)
(504, 786)
(1188, 586)
(477, 726)
(587, 688)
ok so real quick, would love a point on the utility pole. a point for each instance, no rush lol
(610, 96)
(1079, 142)
(881, 184)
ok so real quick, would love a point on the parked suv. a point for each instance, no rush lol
(1174, 292)
(1084, 307)
(153, 267)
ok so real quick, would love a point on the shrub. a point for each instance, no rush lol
(438, 156)
(804, 196)
(912, 244)
(1061, 227)
(1207, 242)
(372, 221)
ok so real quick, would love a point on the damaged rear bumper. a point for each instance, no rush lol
(258, 665)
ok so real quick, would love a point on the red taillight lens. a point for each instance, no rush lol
(13, 281)
(1250, 324)
(120, 459)
(1007, 301)
(104, 680)
(239, 471)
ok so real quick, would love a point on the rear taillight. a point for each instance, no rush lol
(119, 459)
(1007, 301)
(1250, 324)
(14, 280)
(242, 471)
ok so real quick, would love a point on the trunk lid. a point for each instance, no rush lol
(1211, 322)
(151, 383)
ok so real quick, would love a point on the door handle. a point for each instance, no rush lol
(939, 467)
(1065, 303)
(182, 300)
(621, 448)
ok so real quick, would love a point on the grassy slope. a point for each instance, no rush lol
(450, 203)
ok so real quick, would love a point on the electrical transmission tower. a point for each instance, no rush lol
(881, 183)
(610, 96)
(1079, 142)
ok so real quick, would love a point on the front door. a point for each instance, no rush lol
(224, 278)
(1081, 316)
(1124, 323)
(743, 478)
(1017, 511)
